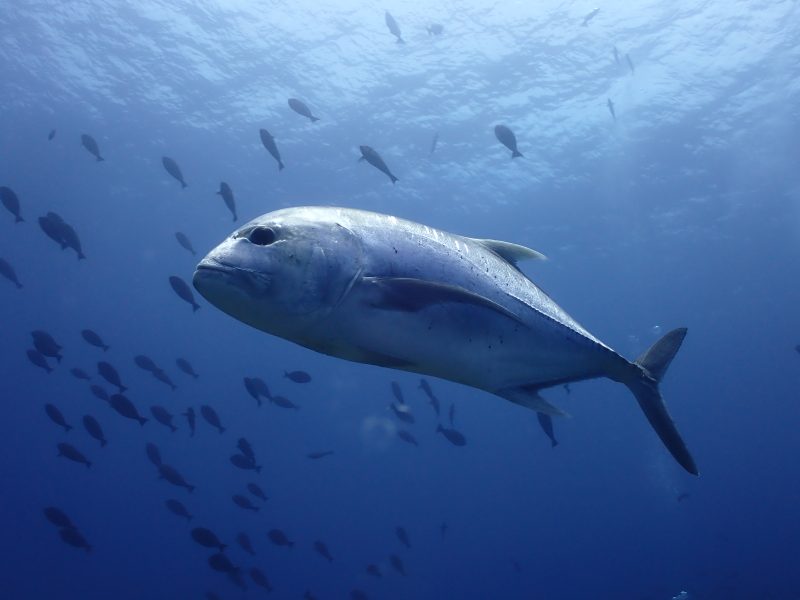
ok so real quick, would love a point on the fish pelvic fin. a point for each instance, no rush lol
(530, 398)
(643, 383)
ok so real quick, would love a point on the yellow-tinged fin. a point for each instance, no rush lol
(510, 252)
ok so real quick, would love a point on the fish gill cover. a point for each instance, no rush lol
(658, 146)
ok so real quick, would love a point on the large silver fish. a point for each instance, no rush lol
(376, 289)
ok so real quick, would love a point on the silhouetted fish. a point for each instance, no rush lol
(271, 146)
(283, 402)
(278, 537)
(7, 271)
(90, 144)
(252, 390)
(244, 542)
(246, 449)
(630, 63)
(245, 462)
(184, 241)
(75, 538)
(374, 571)
(394, 28)
(93, 428)
(187, 368)
(126, 408)
(163, 416)
(38, 359)
(256, 491)
(79, 373)
(69, 451)
(435, 29)
(190, 418)
(590, 16)
(402, 535)
(52, 230)
(220, 562)
(301, 109)
(434, 142)
(56, 416)
(93, 339)
(407, 437)
(398, 393)
(260, 579)
(454, 437)
(432, 399)
(206, 537)
(318, 455)
(397, 564)
(100, 392)
(153, 454)
(183, 291)
(508, 139)
(109, 373)
(11, 202)
(322, 550)
(227, 196)
(546, 423)
(58, 517)
(610, 105)
(62, 233)
(51, 135)
(297, 376)
(211, 417)
(244, 502)
(173, 169)
(402, 412)
(45, 344)
(178, 508)
(373, 158)
(145, 363)
(172, 476)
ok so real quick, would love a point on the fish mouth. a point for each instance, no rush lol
(211, 271)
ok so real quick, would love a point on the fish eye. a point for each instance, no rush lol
(262, 236)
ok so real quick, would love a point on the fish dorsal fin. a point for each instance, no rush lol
(510, 252)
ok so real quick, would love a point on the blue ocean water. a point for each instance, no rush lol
(681, 209)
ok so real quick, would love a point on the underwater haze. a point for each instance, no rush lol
(648, 149)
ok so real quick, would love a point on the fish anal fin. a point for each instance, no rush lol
(530, 398)
(509, 251)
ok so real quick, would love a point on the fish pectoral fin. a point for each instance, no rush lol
(410, 295)
(511, 253)
(531, 399)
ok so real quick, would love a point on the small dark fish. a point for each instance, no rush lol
(401, 534)
(301, 109)
(100, 392)
(93, 339)
(185, 243)
(67, 237)
(190, 418)
(256, 491)
(56, 416)
(434, 142)
(508, 139)
(546, 423)
(187, 368)
(38, 359)
(163, 416)
(374, 571)
(227, 196)
(590, 16)
(357, 595)
(398, 393)
(79, 374)
(206, 537)
(211, 417)
(126, 408)
(297, 376)
(245, 462)
(220, 562)
(610, 105)
(153, 454)
(435, 29)
(173, 169)
(110, 374)
(260, 579)
(397, 564)
(373, 158)
(322, 550)
(318, 455)
(283, 402)
(407, 437)
(90, 144)
(51, 135)
(178, 508)
(244, 502)
(11, 202)
(259, 387)
(184, 291)
(616, 55)
(683, 496)
(45, 344)
(58, 517)
(394, 28)
(454, 437)
(443, 529)
(161, 376)
(245, 448)
(271, 146)
(244, 542)
(75, 538)
(52, 230)
(452, 414)
(402, 412)
(172, 476)
(145, 363)
(277, 537)
(7, 271)
(630, 63)
(251, 389)
(432, 399)
(93, 428)
(69, 451)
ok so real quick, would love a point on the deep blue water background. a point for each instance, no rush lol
(685, 212)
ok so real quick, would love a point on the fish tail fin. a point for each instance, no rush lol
(19, 285)
(105, 348)
(81, 256)
(122, 389)
(280, 165)
(516, 154)
(67, 427)
(100, 159)
(191, 488)
(314, 119)
(184, 185)
(222, 430)
(19, 219)
(103, 443)
(258, 469)
(394, 179)
(195, 307)
(142, 421)
(400, 40)
(173, 429)
(652, 365)
(88, 464)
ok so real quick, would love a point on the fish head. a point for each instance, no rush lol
(282, 273)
